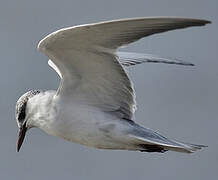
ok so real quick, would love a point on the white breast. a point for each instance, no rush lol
(87, 125)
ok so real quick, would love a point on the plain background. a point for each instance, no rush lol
(180, 102)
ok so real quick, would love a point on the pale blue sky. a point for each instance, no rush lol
(181, 102)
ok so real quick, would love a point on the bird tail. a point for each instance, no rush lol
(148, 140)
(184, 147)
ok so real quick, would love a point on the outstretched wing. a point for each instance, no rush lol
(90, 71)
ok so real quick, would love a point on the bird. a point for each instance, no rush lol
(95, 102)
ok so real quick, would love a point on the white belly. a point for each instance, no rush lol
(90, 127)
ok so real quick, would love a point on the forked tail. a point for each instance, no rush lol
(148, 140)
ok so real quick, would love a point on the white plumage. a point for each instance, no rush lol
(95, 101)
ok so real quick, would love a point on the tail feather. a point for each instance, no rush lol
(156, 146)
(190, 148)
(151, 141)
(185, 148)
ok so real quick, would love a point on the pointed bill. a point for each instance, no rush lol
(21, 136)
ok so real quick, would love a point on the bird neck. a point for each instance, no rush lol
(40, 110)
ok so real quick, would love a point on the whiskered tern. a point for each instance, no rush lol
(95, 102)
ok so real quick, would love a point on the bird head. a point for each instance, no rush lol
(22, 115)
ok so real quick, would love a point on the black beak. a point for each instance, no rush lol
(21, 136)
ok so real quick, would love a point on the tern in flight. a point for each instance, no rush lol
(95, 102)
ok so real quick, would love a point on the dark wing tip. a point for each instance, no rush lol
(203, 22)
(195, 22)
(190, 64)
(207, 22)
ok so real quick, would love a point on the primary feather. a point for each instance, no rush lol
(131, 59)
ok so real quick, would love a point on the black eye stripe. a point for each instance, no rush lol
(22, 103)
(22, 113)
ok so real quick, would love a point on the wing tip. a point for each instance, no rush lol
(207, 22)
(194, 20)
(203, 22)
(187, 64)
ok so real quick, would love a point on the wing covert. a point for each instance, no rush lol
(84, 56)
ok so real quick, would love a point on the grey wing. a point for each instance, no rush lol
(84, 57)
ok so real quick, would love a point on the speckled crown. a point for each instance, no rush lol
(21, 104)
